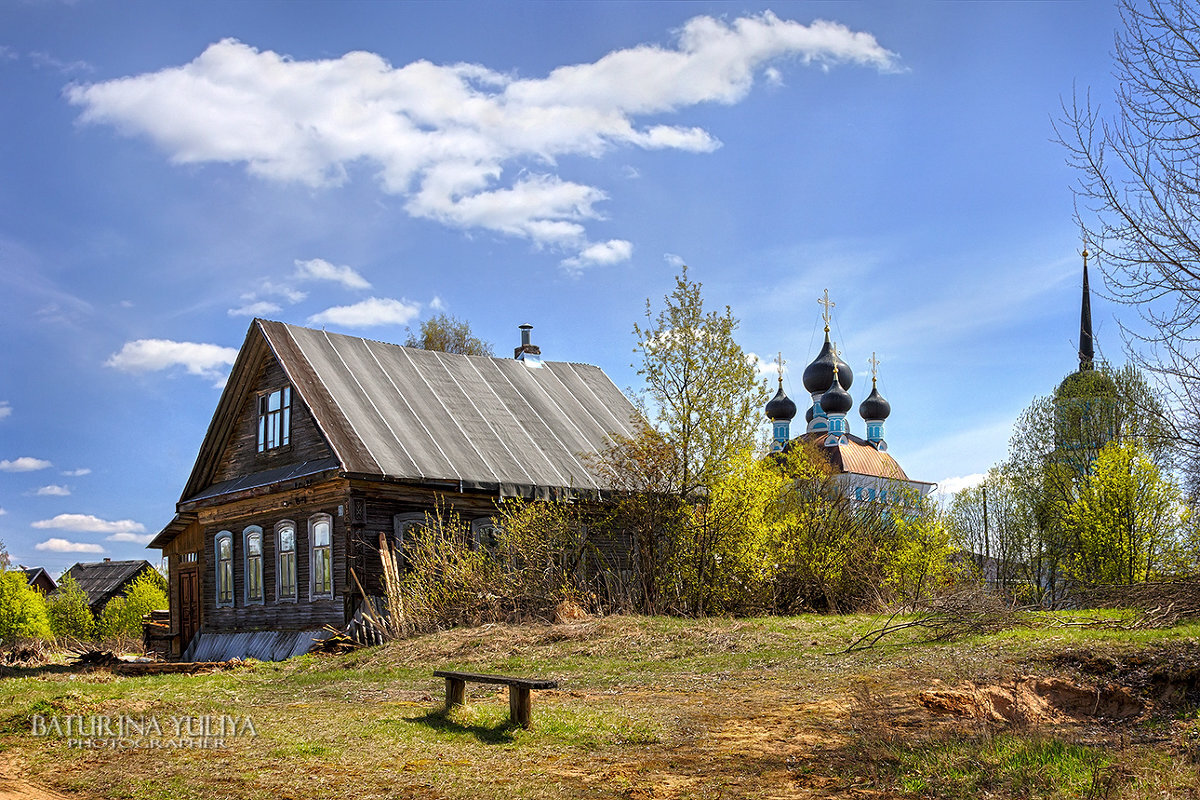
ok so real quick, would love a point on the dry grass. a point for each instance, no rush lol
(648, 708)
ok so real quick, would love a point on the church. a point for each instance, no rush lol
(862, 466)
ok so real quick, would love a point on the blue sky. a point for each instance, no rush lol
(170, 170)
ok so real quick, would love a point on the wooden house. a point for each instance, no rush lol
(38, 578)
(104, 580)
(321, 442)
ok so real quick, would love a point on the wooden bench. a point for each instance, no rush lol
(518, 691)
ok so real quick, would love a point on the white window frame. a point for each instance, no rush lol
(401, 525)
(313, 521)
(477, 528)
(280, 597)
(253, 530)
(281, 417)
(228, 574)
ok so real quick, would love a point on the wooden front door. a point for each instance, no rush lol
(189, 605)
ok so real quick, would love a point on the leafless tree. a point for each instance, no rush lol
(1138, 197)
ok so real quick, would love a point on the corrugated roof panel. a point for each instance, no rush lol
(487, 422)
(519, 459)
(594, 405)
(538, 418)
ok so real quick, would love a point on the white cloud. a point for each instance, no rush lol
(764, 369)
(88, 523)
(64, 546)
(613, 251)
(674, 260)
(318, 269)
(370, 312)
(76, 473)
(288, 293)
(24, 464)
(442, 136)
(257, 309)
(148, 355)
(3, 512)
(5, 409)
(950, 486)
(53, 490)
(139, 538)
(437, 304)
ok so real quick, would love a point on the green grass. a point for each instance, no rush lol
(647, 707)
(1005, 765)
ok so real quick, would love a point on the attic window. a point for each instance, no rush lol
(274, 419)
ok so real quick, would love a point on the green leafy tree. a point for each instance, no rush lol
(449, 335)
(22, 609)
(703, 394)
(122, 616)
(1126, 520)
(69, 612)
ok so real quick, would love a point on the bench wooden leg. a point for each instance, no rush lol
(519, 705)
(456, 692)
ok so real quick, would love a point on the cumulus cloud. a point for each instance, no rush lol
(442, 136)
(138, 538)
(64, 546)
(149, 355)
(88, 523)
(764, 369)
(257, 309)
(24, 464)
(951, 486)
(76, 473)
(370, 312)
(53, 490)
(318, 269)
(613, 251)
(5, 409)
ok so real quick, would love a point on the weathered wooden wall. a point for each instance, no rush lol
(298, 506)
(241, 457)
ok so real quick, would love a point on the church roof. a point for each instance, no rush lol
(422, 416)
(857, 457)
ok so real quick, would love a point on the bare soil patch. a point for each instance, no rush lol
(1032, 700)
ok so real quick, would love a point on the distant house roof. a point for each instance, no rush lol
(422, 416)
(104, 580)
(38, 578)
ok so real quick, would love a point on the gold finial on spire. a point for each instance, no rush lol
(1085, 253)
(874, 362)
(779, 362)
(825, 301)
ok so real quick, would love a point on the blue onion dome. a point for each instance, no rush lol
(781, 407)
(818, 376)
(875, 407)
(836, 400)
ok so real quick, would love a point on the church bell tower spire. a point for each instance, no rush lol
(1087, 353)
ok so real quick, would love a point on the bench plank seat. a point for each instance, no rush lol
(472, 677)
(519, 703)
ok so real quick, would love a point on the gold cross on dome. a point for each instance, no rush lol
(779, 362)
(874, 362)
(825, 301)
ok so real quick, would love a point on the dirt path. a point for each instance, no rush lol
(14, 785)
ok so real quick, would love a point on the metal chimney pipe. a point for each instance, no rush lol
(525, 329)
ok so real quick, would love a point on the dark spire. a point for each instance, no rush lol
(1087, 353)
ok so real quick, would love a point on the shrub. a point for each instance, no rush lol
(69, 612)
(122, 616)
(22, 609)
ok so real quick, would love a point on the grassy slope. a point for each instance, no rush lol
(648, 707)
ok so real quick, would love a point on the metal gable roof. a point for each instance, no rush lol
(420, 415)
